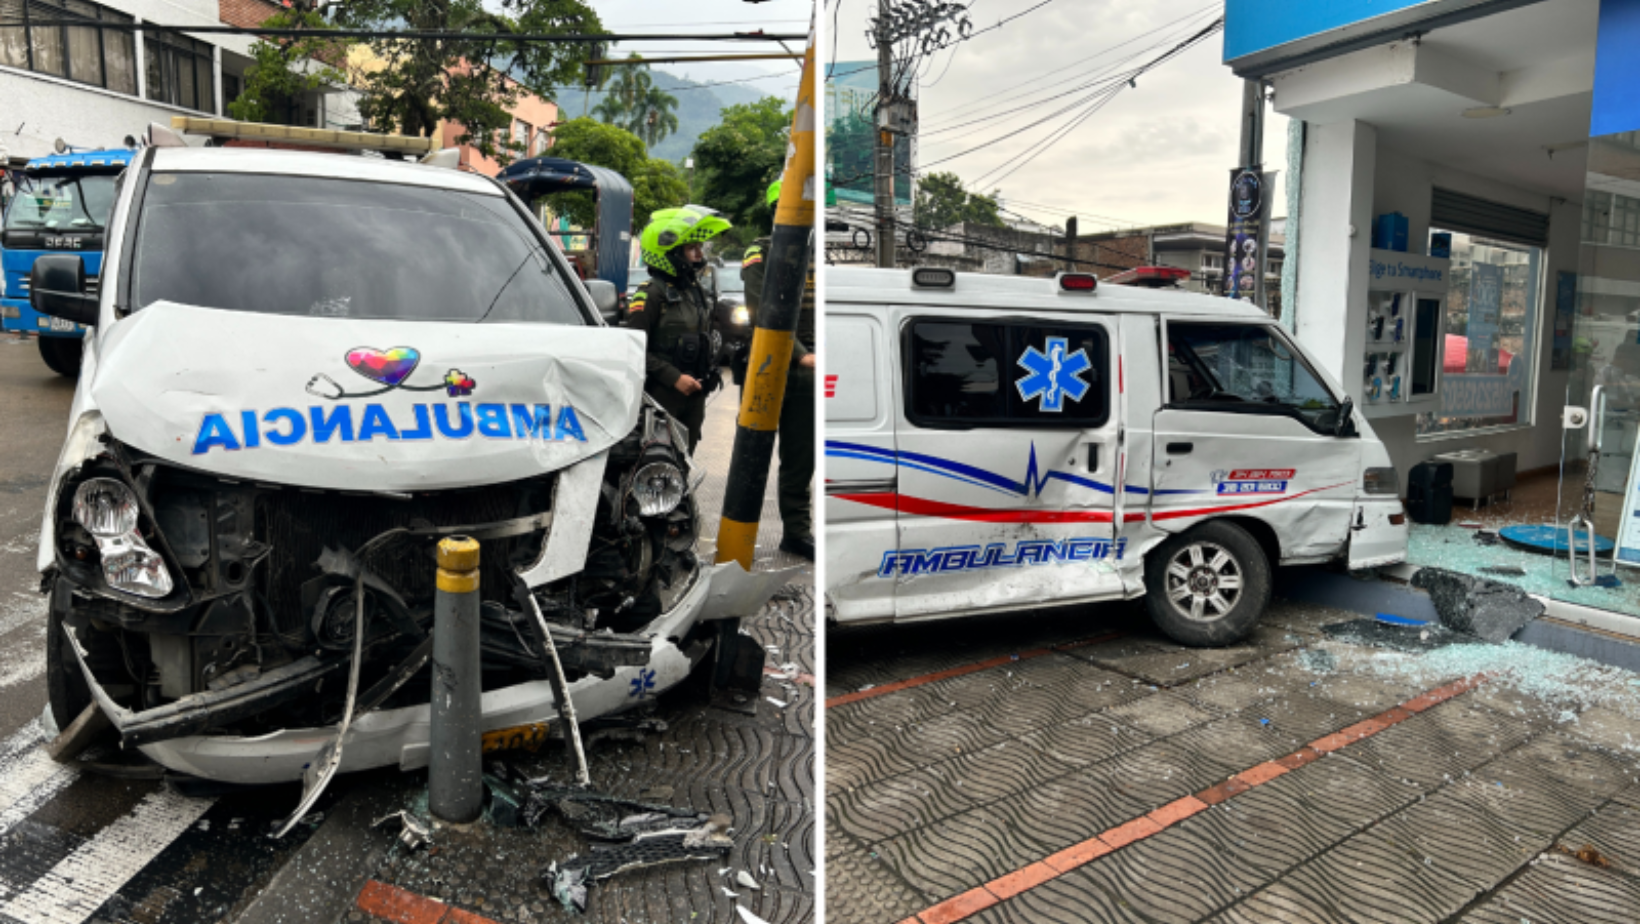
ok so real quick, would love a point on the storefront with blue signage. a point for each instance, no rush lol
(1463, 249)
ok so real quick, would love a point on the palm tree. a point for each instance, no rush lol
(634, 103)
(610, 109)
(630, 84)
(653, 118)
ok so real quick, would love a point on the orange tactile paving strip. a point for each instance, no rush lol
(986, 665)
(978, 899)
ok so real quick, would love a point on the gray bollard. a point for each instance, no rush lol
(455, 765)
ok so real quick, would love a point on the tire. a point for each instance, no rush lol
(1195, 607)
(62, 354)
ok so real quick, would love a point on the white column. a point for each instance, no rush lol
(216, 77)
(142, 63)
(1339, 160)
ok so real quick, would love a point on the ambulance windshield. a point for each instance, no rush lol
(298, 245)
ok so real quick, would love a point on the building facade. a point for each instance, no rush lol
(94, 87)
(1473, 171)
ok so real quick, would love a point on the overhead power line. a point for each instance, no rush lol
(1063, 74)
(1092, 98)
(574, 38)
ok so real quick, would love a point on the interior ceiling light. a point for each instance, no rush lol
(1486, 112)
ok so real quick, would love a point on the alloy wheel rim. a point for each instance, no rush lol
(1204, 582)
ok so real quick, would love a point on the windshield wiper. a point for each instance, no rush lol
(510, 277)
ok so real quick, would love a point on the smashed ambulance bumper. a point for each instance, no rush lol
(400, 736)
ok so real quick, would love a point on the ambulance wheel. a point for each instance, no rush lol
(62, 354)
(1208, 587)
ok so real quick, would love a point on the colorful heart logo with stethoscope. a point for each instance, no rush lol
(388, 367)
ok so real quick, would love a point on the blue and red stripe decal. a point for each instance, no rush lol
(979, 477)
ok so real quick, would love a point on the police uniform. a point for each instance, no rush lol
(796, 445)
(676, 316)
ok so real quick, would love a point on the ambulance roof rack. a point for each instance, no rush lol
(227, 131)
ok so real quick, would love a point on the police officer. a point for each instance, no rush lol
(675, 311)
(796, 411)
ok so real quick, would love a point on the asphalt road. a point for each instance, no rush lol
(77, 846)
(32, 426)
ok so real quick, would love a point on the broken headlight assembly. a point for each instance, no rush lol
(658, 488)
(107, 509)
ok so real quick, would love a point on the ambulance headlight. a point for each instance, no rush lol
(742, 315)
(658, 488)
(108, 510)
(105, 507)
(1381, 481)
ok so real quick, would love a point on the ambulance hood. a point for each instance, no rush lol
(365, 405)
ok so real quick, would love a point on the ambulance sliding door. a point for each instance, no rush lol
(1008, 453)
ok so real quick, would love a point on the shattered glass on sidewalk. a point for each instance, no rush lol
(1488, 808)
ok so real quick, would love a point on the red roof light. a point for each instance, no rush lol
(1149, 277)
(1078, 282)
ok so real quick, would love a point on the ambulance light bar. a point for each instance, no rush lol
(1078, 282)
(229, 129)
(933, 277)
(1150, 277)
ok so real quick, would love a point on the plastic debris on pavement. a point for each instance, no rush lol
(413, 832)
(568, 886)
(626, 834)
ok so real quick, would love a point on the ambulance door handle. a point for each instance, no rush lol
(1179, 449)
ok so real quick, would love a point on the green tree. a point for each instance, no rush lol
(634, 103)
(471, 81)
(738, 158)
(656, 184)
(942, 202)
(287, 68)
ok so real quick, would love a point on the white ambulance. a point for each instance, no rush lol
(1000, 443)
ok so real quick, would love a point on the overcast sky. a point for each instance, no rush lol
(714, 16)
(1156, 154)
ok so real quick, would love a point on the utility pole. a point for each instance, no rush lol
(1070, 244)
(885, 140)
(1252, 155)
(1252, 123)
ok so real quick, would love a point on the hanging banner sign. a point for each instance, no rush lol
(1245, 237)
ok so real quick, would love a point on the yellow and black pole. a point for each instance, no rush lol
(787, 263)
(455, 759)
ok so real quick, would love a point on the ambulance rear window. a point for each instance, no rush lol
(964, 374)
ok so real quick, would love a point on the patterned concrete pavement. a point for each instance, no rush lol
(1077, 776)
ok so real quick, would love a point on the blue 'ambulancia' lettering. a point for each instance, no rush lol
(952, 559)
(289, 426)
(214, 431)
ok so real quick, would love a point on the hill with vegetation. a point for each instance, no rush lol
(700, 104)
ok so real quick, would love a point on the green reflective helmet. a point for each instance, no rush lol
(669, 228)
(773, 195)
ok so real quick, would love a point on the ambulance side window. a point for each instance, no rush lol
(1243, 368)
(962, 374)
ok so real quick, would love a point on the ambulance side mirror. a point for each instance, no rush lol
(1346, 418)
(604, 299)
(56, 287)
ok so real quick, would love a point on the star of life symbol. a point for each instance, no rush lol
(1053, 375)
(643, 683)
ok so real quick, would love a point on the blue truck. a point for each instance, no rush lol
(61, 205)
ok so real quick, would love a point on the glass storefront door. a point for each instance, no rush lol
(1595, 323)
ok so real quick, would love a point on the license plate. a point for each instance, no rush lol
(519, 737)
(62, 324)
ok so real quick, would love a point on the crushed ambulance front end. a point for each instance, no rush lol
(239, 484)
